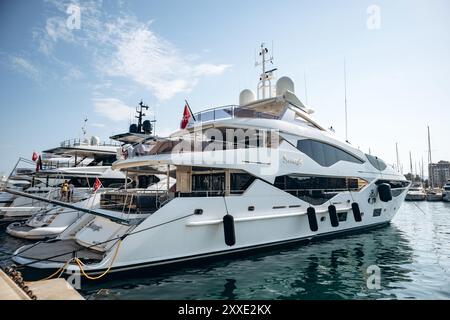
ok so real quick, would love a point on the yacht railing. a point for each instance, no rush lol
(49, 165)
(83, 142)
(206, 193)
(228, 112)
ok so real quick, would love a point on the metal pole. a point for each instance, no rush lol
(168, 177)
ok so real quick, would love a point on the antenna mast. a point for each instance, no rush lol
(84, 127)
(141, 114)
(266, 75)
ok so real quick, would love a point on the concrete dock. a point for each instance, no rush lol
(54, 289)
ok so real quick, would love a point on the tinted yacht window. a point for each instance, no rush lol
(376, 162)
(317, 190)
(324, 154)
(240, 182)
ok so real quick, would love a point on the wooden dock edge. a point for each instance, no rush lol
(54, 289)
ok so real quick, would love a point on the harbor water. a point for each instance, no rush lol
(412, 255)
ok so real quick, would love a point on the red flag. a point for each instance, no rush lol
(186, 117)
(35, 156)
(97, 184)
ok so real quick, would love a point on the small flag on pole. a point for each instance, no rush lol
(187, 114)
(97, 184)
(34, 156)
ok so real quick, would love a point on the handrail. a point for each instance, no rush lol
(233, 112)
(82, 142)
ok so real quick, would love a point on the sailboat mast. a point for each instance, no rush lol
(345, 100)
(306, 89)
(398, 160)
(430, 161)
(421, 171)
(410, 165)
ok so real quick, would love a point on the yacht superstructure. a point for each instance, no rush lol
(248, 176)
(78, 162)
(51, 222)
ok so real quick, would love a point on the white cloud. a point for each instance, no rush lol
(98, 125)
(113, 109)
(121, 46)
(73, 73)
(26, 67)
(144, 57)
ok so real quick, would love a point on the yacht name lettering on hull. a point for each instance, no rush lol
(295, 161)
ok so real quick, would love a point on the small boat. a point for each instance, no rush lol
(416, 193)
(434, 194)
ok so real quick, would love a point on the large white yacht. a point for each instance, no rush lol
(248, 176)
(51, 222)
(76, 161)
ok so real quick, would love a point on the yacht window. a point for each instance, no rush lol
(377, 212)
(147, 181)
(376, 162)
(208, 184)
(317, 190)
(89, 182)
(240, 182)
(342, 216)
(324, 154)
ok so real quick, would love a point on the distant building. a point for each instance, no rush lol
(439, 173)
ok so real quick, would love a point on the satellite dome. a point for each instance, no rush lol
(284, 84)
(246, 96)
(95, 141)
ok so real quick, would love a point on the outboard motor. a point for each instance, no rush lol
(385, 192)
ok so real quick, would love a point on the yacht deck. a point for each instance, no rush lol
(64, 248)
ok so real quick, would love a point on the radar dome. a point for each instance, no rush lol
(246, 97)
(284, 84)
(95, 141)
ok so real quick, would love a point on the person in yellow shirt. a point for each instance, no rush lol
(64, 190)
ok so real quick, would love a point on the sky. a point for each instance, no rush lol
(58, 67)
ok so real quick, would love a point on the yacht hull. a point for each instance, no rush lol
(211, 256)
(434, 197)
(415, 197)
(177, 236)
(446, 197)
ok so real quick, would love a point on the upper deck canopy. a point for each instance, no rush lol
(271, 108)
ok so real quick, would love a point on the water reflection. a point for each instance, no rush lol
(332, 269)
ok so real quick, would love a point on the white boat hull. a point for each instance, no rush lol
(200, 236)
